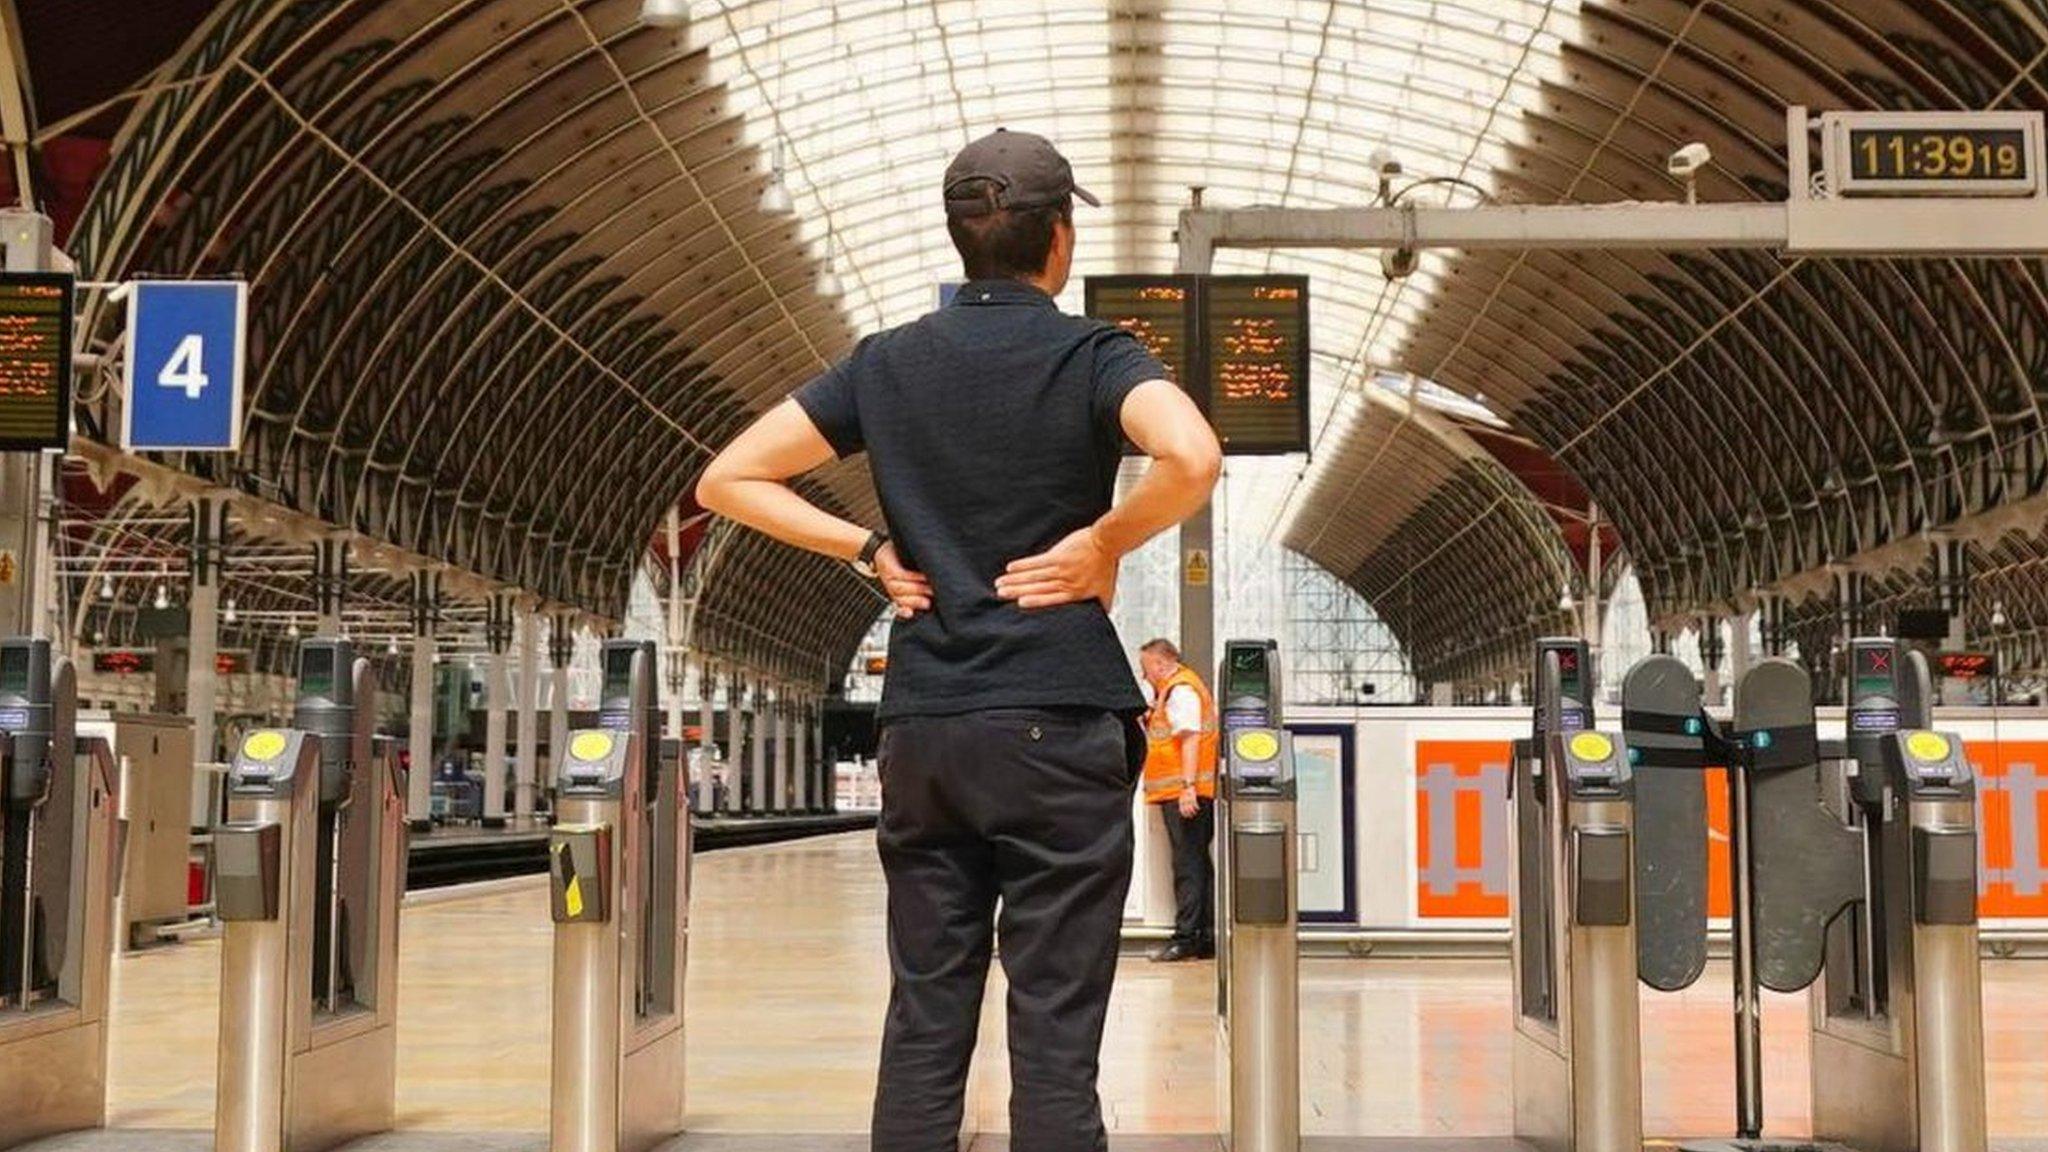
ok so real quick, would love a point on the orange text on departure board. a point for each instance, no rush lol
(1255, 367)
(1156, 340)
(29, 342)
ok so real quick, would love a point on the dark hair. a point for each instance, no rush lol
(1162, 647)
(1008, 243)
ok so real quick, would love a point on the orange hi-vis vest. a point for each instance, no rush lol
(1164, 776)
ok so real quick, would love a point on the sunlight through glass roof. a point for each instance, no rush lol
(1263, 102)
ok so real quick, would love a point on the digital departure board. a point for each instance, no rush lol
(123, 661)
(1256, 328)
(1239, 345)
(1966, 665)
(35, 360)
(1158, 310)
(1933, 153)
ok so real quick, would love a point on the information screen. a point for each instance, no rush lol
(618, 674)
(1937, 154)
(35, 360)
(14, 670)
(1981, 153)
(1238, 345)
(316, 672)
(1571, 678)
(1158, 310)
(123, 661)
(1256, 328)
(1249, 675)
(1967, 665)
(1874, 673)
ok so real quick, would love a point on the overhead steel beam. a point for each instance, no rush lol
(1512, 227)
(1935, 227)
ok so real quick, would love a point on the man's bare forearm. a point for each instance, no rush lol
(1172, 489)
(1190, 758)
(775, 509)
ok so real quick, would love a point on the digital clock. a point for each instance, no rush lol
(1932, 153)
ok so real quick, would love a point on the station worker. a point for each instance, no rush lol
(1180, 781)
(1010, 741)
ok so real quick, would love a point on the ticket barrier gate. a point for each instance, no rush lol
(1258, 956)
(1853, 874)
(1577, 1044)
(58, 868)
(619, 882)
(308, 875)
(1897, 1006)
(1672, 741)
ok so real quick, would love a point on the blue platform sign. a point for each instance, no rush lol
(186, 340)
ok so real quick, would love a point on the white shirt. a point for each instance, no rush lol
(1183, 711)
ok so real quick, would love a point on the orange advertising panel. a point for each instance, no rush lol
(1461, 828)
(1461, 835)
(2012, 812)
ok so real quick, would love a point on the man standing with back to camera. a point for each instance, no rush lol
(1009, 746)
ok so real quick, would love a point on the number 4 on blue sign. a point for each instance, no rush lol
(186, 340)
(186, 369)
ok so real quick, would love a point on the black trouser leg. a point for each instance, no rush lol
(1034, 805)
(942, 896)
(1062, 922)
(1194, 872)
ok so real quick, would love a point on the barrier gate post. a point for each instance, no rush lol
(619, 888)
(1259, 1028)
(58, 869)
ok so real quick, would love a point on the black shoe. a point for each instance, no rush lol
(1173, 952)
(1206, 950)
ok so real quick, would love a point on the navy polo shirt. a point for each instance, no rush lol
(992, 430)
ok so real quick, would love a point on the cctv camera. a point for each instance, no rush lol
(1397, 263)
(1689, 160)
(1383, 162)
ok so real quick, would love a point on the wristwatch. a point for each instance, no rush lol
(865, 562)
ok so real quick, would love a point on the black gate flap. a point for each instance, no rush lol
(1808, 865)
(1666, 735)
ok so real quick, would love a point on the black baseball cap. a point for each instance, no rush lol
(1021, 170)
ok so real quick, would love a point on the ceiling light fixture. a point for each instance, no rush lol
(106, 587)
(163, 597)
(775, 198)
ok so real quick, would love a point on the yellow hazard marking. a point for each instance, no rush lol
(572, 897)
(263, 745)
(1928, 747)
(589, 746)
(1592, 747)
(1257, 747)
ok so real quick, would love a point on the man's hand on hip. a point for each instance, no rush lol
(1079, 568)
(907, 588)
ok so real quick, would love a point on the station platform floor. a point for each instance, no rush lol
(787, 982)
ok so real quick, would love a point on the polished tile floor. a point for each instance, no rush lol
(786, 986)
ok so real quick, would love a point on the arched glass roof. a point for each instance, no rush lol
(1256, 101)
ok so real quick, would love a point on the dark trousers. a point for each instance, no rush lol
(1194, 872)
(1027, 810)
